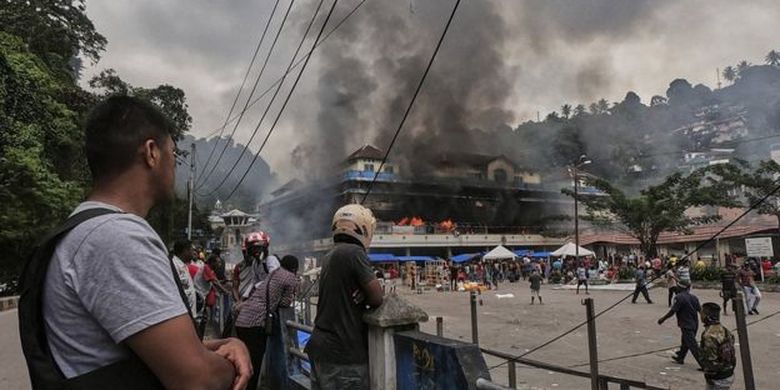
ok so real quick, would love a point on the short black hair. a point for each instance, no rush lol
(180, 246)
(116, 127)
(289, 263)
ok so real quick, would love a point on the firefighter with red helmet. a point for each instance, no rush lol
(257, 264)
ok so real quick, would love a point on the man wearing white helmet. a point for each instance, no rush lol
(347, 287)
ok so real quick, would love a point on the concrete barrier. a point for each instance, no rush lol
(425, 361)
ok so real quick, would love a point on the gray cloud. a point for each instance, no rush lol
(501, 63)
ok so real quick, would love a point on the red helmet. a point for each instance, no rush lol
(256, 239)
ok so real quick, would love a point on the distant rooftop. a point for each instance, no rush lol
(366, 152)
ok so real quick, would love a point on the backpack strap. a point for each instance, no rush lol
(44, 372)
(128, 374)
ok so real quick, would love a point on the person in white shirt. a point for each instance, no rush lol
(182, 255)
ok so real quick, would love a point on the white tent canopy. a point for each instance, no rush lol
(499, 253)
(570, 250)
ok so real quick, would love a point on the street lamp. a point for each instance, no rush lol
(581, 162)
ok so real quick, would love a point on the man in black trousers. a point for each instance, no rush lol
(686, 307)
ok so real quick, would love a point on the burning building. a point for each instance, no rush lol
(460, 193)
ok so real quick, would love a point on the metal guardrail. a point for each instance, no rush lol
(604, 380)
(293, 348)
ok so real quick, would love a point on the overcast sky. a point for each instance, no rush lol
(551, 53)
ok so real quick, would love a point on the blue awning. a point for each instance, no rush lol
(523, 252)
(381, 257)
(541, 254)
(464, 257)
(415, 258)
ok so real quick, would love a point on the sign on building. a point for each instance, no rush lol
(759, 247)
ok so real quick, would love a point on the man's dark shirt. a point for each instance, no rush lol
(340, 336)
(686, 307)
(727, 280)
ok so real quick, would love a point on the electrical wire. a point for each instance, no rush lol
(270, 102)
(682, 261)
(249, 98)
(243, 82)
(633, 355)
(411, 103)
(297, 63)
(286, 100)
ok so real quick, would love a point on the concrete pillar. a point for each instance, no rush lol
(449, 253)
(408, 251)
(395, 315)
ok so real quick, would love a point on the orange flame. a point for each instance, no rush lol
(447, 225)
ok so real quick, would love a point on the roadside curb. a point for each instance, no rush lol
(8, 303)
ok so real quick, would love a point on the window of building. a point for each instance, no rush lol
(368, 167)
(388, 169)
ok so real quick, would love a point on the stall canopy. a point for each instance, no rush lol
(464, 257)
(570, 250)
(523, 252)
(415, 258)
(381, 257)
(499, 253)
(541, 254)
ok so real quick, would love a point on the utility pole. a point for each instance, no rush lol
(744, 343)
(717, 76)
(190, 190)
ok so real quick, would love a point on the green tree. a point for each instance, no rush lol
(656, 209)
(55, 30)
(729, 73)
(566, 111)
(755, 183)
(742, 66)
(773, 58)
(39, 132)
(580, 110)
(171, 100)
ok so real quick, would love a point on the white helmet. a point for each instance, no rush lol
(355, 221)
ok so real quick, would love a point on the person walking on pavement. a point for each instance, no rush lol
(338, 347)
(718, 351)
(112, 314)
(641, 285)
(728, 286)
(671, 284)
(254, 322)
(582, 278)
(747, 281)
(536, 286)
(686, 308)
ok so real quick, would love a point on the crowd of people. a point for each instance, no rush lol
(103, 321)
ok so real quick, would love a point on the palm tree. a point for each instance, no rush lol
(603, 106)
(729, 73)
(580, 110)
(773, 58)
(743, 66)
(566, 111)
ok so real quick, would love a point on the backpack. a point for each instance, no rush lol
(727, 352)
(131, 373)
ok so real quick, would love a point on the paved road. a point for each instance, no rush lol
(512, 325)
(13, 371)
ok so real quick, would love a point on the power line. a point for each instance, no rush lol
(243, 82)
(249, 98)
(633, 355)
(297, 63)
(270, 102)
(411, 103)
(680, 262)
(286, 100)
